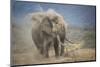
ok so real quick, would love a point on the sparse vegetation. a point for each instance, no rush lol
(89, 39)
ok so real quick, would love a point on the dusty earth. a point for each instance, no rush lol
(30, 57)
(23, 51)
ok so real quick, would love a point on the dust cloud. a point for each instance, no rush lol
(24, 51)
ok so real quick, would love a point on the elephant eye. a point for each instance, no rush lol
(55, 20)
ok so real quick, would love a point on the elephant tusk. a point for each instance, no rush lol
(68, 41)
(60, 43)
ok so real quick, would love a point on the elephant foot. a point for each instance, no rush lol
(57, 55)
(46, 56)
(62, 54)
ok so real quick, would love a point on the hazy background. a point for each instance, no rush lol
(81, 27)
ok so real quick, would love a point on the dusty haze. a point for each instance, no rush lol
(24, 50)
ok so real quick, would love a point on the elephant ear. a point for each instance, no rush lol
(38, 17)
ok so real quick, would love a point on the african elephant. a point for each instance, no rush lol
(48, 29)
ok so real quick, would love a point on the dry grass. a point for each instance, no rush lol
(82, 55)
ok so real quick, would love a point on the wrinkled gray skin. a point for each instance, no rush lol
(45, 33)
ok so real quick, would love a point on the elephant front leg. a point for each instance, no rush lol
(46, 49)
(60, 46)
(56, 47)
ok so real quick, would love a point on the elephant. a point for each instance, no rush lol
(48, 28)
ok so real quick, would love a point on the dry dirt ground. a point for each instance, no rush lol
(30, 57)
